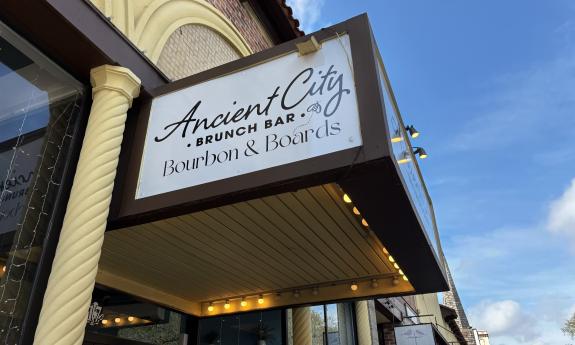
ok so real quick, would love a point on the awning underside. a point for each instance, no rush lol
(294, 248)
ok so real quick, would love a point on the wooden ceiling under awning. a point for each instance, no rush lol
(309, 240)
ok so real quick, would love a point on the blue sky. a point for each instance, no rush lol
(491, 86)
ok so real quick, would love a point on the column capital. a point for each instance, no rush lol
(115, 78)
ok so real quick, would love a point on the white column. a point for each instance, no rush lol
(68, 294)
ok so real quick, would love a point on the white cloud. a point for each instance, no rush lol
(562, 214)
(506, 319)
(308, 12)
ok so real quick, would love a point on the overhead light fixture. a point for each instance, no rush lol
(346, 199)
(397, 137)
(131, 318)
(353, 286)
(211, 307)
(420, 151)
(261, 299)
(396, 266)
(405, 278)
(412, 131)
(404, 158)
(374, 283)
(356, 211)
(117, 320)
(244, 303)
(391, 259)
(401, 272)
(227, 304)
(364, 222)
(385, 251)
(395, 281)
(105, 322)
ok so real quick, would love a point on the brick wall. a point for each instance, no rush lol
(242, 20)
(386, 334)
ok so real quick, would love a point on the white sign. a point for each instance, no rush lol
(414, 335)
(281, 111)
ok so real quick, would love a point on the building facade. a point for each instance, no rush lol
(333, 247)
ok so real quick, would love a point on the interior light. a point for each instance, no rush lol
(261, 299)
(405, 278)
(412, 131)
(397, 137)
(420, 151)
(356, 211)
(131, 318)
(391, 259)
(210, 307)
(227, 305)
(396, 266)
(374, 283)
(353, 286)
(401, 272)
(117, 320)
(364, 222)
(347, 199)
(104, 322)
(385, 251)
(3, 268)
(244, 303)
(404, 158)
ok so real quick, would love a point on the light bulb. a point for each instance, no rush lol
(401, 272)
(117, 320)
(396, 266)
(227, 305)
(385, 251)
(244, 303)
(346, 199)
(131, 318)
(261, 299)
(405, 278)
(104, 322)
(356, 211)
(3, 268)
(374, 283)
(353, 286)
(210, 308)
(391, 259)
(395, 281)
(364, 222)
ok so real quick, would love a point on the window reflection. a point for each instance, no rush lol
(258, 328)
(39, 104)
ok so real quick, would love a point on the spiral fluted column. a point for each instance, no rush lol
(363, 323)
(68, 294)
(302, 326)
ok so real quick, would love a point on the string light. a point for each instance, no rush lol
(131, 318)
(227, 304)
(346, 199)
(104, 322)
(391, 259)
(210, 307)
(353, 286)
(356, 211)
(117, 320)
(364, 222)
(396, 266)
(405, 278)
(244, 303)
(261, 299)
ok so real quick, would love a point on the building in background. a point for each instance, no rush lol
(308, 247)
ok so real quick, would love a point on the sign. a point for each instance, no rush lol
(421, 334)
(95, 315)
(281, 111)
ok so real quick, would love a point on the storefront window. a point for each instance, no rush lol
(331, 324)
(39, 104)
(258, 328)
